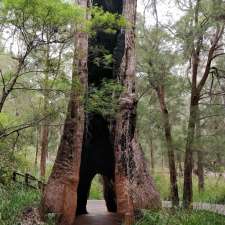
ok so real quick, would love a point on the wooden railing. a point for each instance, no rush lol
(28, 180)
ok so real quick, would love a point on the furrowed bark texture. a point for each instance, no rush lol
(60, 194)
(107, 143)
(134, 186)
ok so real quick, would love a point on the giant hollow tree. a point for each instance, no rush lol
(93, 143)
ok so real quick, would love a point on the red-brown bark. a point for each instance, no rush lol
(60, 194)
(134, 186)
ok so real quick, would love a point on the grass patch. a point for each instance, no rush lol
(14, 198)
(214, 189)
(181, 218)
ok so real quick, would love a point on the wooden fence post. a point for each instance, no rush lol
(27, 179)
(14, 176)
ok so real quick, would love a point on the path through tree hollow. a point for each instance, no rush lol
(98, 148)
(97, 158)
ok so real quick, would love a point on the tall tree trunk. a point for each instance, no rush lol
(162, 160)
(169, 143)
(194, 104)
(37, 148)
(134, 187)
(60, 194)
(200, 169)
(188, 163)
(179, 160)
(44, 141)
(200, 156)
(45, 126)
(152, 156)
(38, 137)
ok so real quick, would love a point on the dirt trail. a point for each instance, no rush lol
(98, 215)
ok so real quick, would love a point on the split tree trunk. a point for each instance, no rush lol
(169, 144)
(134, 186)
(60, 194)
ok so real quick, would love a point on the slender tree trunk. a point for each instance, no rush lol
(134, 187)
(44, 149)
(169, 143)
(200, 157)
(200, 169)
(188, 163)
(152, 156)
(180, 164)
(60, 194)
(195, 97)
(45, 126)
(162, 161)
(37, 147)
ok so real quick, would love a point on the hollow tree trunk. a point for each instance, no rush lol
(60, 194)
(169, 144)
(134, 186)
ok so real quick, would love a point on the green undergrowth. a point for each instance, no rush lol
(96, 189)
(214, 188)
(181, 218)
(14, 199)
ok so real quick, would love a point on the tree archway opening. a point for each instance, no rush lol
(97, 158)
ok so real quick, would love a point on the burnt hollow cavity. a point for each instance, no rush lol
(97, 154)
(97, 158)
